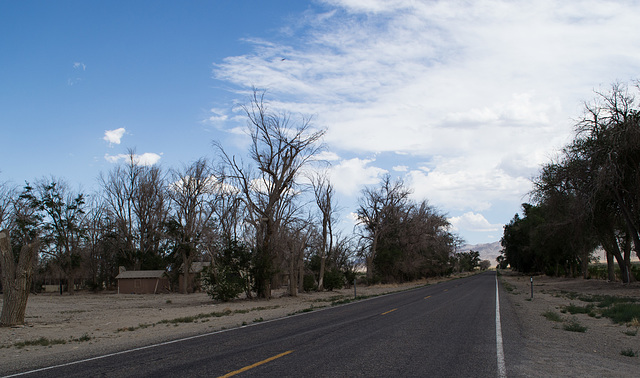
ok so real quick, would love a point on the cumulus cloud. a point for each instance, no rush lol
(473, 222)
(350, 175)
(114, 136)
(146, 159)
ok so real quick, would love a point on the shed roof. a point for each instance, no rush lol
(141, 274)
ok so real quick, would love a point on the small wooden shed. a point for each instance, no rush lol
(143, 282)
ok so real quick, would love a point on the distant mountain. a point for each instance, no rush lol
(488, 251)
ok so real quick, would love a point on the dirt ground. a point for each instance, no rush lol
(555, 352)
(88, 324)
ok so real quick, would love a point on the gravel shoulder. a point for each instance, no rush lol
(85, 324)
(549, 349)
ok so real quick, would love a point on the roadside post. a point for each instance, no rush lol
(354, 289)
(531, 287)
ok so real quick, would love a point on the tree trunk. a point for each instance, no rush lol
(16, 280)
(369, 260)
(301, 271)
(323, 260)
(71, 283)
(186, 282)
(611, 268)
(293, 279)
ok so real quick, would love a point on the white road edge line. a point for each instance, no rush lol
(502, 369)
(99, 357)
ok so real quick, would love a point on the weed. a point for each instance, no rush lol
(573, 309)
(553, 316)
(622, 312)
(82, 338)
(508, 287)
(569, 294)
(574, 326)
(168, 301)
(43, 341)
(629, 352)
(258, 320)
(631, 332)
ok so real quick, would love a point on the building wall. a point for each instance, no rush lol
(143, 285)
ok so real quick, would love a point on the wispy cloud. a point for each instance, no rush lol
(79, 66)
(484, 90)
(114, 136)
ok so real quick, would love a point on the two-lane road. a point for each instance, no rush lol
(448, 329)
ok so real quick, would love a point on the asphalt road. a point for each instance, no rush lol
(443, 330)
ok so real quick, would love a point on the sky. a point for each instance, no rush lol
(462, 100)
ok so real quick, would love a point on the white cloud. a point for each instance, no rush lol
(146, 159)
(114, 136)
(401, 168)
(79, 65)
(484, 90)
(349, 176)
(475, 222)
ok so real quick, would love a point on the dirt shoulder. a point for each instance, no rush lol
(550, 350)
(86, 325)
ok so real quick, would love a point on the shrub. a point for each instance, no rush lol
(553, 316)
(221, 283)
(629, 353)
(308, 282)
(333, 279)
(574, 326)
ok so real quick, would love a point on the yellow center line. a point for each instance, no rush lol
(446, 289)
(427, 297)
(385, 313)
(256, 364)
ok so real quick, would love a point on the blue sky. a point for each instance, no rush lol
(463, 100)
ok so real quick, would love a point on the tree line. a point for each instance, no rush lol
(586, 198)
(252, 219)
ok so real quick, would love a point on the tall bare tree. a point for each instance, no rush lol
(136, 201)
(324, 195)
(194, 192)
(279, 149)
(375, 206)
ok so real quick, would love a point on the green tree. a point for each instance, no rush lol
(64, 224)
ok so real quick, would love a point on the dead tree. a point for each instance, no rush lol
(194, 196)
(323, 190)
(279, 148)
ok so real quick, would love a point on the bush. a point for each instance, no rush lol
(574, 326)
(309, 282)
(222, 284)
(333, 279)
(553, 316)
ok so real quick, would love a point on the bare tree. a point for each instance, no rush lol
(323, 190)
(375, 205)
(279, 148)
(137, 204)
(194, 194)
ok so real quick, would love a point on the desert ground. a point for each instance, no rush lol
(64, 328)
